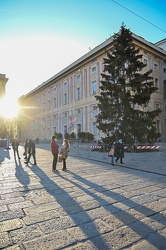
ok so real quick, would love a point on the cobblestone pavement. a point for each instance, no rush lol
(93, 205)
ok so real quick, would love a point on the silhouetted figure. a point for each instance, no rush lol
(31, 151)
(119, 151)
(26, 148)
(15, 144)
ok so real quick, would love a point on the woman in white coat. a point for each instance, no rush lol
(64, 151)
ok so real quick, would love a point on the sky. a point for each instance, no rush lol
(40, 38)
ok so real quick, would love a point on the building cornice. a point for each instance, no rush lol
(90, 54)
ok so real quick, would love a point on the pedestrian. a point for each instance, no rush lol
(25, 148)
(64, 151)
(111, 151)
(119, 151)
(55, 151)
(31, 151)
(15, 144)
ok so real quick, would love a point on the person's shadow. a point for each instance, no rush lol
(22, 175)
(4, 153)
(65, 201)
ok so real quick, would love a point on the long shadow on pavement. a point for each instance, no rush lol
(136, 225)
(4, 153)
(122, 168)
(49, 186)
(22, 175)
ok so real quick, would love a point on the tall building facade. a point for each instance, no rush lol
(66, 102)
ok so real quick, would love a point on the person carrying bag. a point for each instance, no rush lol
(111, 151)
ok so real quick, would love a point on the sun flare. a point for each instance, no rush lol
(8, 108)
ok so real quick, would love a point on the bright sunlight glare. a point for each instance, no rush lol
(8, 108)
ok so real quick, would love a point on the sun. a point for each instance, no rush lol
(9, 108)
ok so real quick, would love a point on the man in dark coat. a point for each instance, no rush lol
(15, 144)
(31, 151)
(119, 151)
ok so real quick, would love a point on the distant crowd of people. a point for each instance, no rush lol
(115, 150)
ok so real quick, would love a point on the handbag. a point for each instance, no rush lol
(60, 158)
(111, 152)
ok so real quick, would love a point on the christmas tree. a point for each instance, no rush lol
(125, 93)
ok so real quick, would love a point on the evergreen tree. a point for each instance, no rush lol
(125, 94)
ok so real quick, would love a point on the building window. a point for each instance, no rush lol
(155, 66)
(156, 83)
(78, 93)
(94, 88)
(78, 128)
(78, 77)
(145, 61)
(164, 89)
(65, 130)
(65, 98)
(158, 126)
(157, 105)
(55, 102)
(94, 128)
(164, 69)
(49, 106)
(94, 69)
(54, 130)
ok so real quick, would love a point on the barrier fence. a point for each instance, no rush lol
(147, 148)
(78, 147)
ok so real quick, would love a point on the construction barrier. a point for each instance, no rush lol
(104, 148)
(147, 148)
